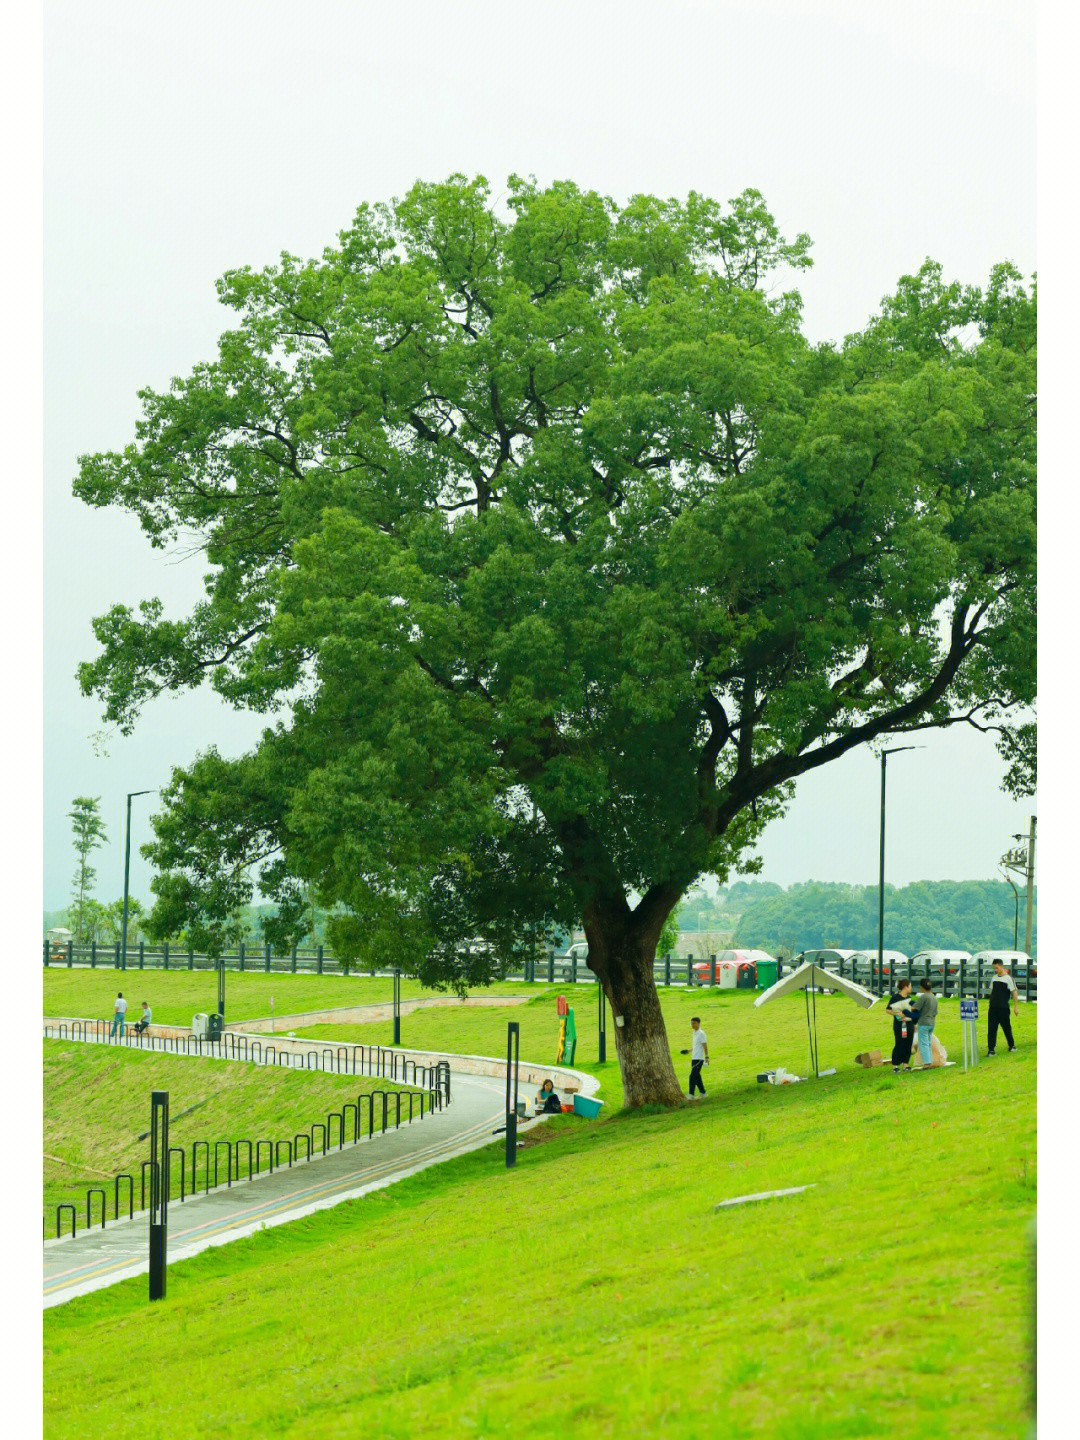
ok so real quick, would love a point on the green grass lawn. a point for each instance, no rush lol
(742, 1040)
(593, 1291)
(97, 1105)
(175, 995)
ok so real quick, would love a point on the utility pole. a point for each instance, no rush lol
(1030, 885)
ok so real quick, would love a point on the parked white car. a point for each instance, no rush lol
(828, 959)
(579, 951)
(1013, 960)
(947, 961)
(864, 959)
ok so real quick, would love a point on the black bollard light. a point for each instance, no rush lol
(513, 1043)
(397, 1007)
(602, 1020)
(159, 1191)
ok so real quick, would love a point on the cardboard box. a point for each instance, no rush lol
(869, 1058)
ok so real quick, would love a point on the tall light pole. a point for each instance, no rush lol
(127, 875)
(881, 862)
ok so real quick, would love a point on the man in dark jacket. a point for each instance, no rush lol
(903, 1025)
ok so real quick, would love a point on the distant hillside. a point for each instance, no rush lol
(948, 914)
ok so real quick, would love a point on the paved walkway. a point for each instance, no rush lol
(95, 1258)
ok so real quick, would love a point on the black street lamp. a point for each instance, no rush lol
(881, 864)
(127, 874)
(397, 1007)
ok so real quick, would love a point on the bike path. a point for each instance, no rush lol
(96, 1258)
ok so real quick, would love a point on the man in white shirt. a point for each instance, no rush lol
(119, 1011)
(699, 1055)
(1002, 990)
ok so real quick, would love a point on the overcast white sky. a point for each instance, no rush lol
(182, 141)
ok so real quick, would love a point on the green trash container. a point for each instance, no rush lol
(766, 973)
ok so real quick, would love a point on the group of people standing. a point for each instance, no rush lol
(915, 1017)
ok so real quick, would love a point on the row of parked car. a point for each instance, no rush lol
(733, 967)
(943, 961)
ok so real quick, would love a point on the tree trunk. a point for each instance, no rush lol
(621, 956)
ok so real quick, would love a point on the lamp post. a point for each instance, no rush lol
(895, 750)
(513, 1051)
(159, 1191)
(397, 1007)
(127, 874)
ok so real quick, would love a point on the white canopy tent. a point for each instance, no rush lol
(810, 978)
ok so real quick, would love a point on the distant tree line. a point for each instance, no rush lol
(946, 914)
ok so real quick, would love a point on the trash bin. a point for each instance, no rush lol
(215, 1024)
(747, 973)
(766, 974)
(199, 1025)
(729, 976)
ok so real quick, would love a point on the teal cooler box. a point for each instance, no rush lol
(587, 1106)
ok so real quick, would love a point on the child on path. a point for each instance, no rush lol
(119, 1011)
(925, 1008)
(1002, 989)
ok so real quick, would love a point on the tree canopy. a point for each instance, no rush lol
(560, 553)
(928, 914)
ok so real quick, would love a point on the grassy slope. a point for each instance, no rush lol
(175, 995)
(593, 1291)
(97, 1104)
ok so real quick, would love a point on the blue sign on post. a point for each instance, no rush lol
(969, 1009)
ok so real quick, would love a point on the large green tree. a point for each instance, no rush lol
(561, 553)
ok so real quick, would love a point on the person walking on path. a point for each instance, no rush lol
(1002, 990)
(903, 1025)
(699, 1055)
(925, 1007)
(119, 1011)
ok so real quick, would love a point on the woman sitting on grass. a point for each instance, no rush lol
(547, 1099)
